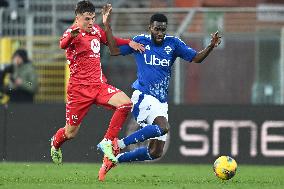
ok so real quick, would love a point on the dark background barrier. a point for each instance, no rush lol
(30, 128)
(250, 123)
(257, 133)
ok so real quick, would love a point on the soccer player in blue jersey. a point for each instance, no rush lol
(150, 94)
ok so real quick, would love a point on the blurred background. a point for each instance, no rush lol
(240, 84)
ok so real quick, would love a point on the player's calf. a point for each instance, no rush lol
(147, 132)
(71, 131)
(117, 120)
(153, 151)
(138, 154)
(63, 134)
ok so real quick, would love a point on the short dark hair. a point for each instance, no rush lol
(84, 6)
(159, 18)
(23, 54)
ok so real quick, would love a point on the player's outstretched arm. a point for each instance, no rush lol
(111, 40)
(201, 55)
(68, 36)
(106, 13)
(137, 46)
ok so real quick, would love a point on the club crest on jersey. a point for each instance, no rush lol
(156, 61)
(168, 49)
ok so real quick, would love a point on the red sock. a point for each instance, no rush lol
(59, 138)
(117, 121)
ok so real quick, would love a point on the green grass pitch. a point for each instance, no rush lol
(135, 176)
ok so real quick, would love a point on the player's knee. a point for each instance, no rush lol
(162, 122)
(166, 130)
(124, 100)
(165, 127)
(155, 153)
(128, 102)
(70, 135)
(126, 107)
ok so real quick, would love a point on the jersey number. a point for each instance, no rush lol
(147, 47)
(110, 90)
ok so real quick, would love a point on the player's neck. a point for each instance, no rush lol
(157, 44)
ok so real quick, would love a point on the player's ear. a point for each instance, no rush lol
(149, 27)
(78, 16)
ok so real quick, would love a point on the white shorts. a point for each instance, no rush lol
(146, 108)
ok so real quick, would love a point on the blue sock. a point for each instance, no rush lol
(149, 131)
(138, 154)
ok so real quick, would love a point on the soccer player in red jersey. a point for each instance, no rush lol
(87, 84)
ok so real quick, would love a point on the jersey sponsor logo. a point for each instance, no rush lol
(156, 61)
(95, 46)
(95, 55)
(168, 49)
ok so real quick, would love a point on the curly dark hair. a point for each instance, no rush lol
(84, 6)
(158, 17)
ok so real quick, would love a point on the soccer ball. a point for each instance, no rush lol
(225, 167)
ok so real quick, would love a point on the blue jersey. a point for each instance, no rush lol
(154, 65)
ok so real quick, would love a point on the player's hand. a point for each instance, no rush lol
(75, 32)
(137, 46)
(215, 39)
(106, 13)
